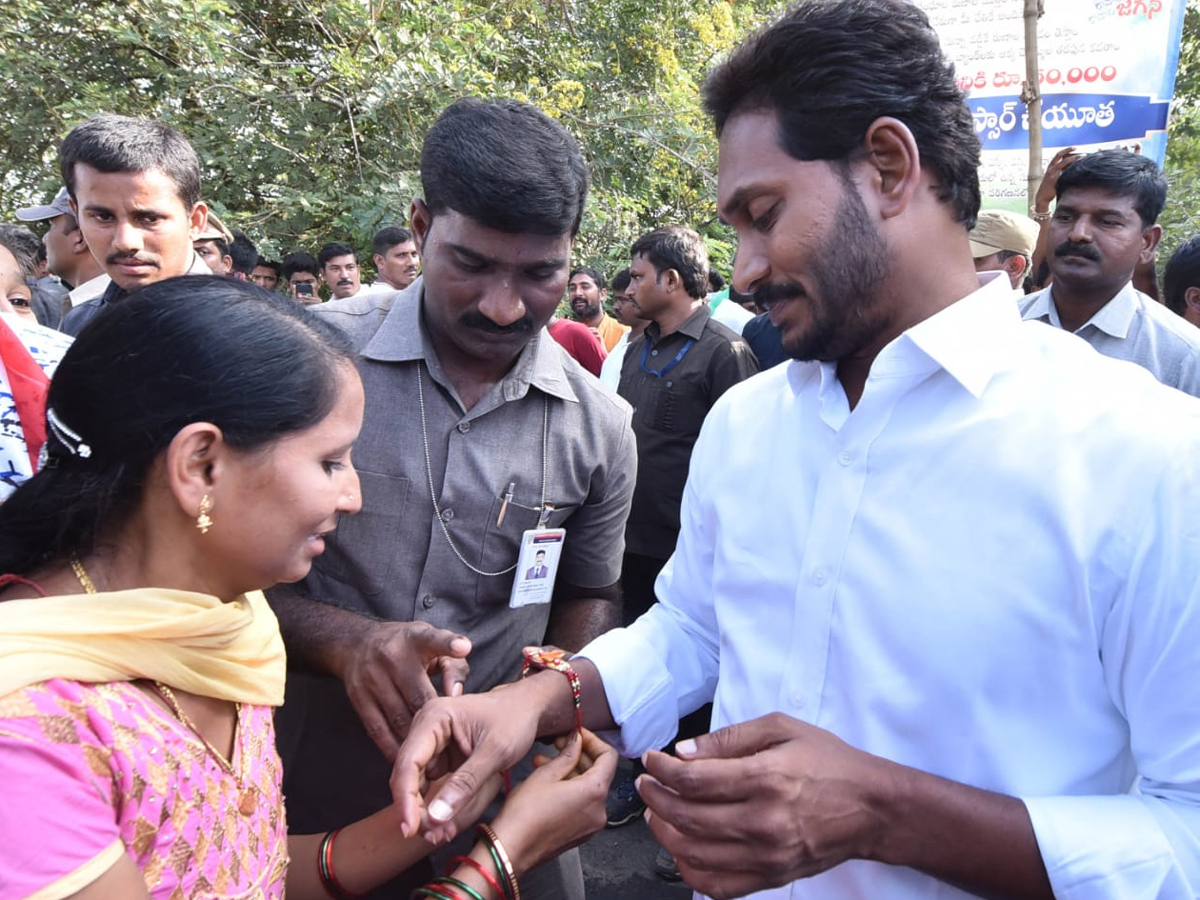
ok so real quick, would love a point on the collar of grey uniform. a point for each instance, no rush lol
(693, 325)
(402, 337)
(1113, 318)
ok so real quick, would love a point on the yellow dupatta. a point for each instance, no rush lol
(195, 642)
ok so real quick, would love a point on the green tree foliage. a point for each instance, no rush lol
(309, 116)
(1181, 217)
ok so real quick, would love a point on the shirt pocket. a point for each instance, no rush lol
(502, 542)
(365, 547)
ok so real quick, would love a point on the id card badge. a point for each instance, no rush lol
(537, 566)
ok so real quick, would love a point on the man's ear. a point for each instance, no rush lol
(1015, 267)
(192, 462)
(1150, 238)
(197, 219)
(893, 155)
(1191, 299)
(419, 220)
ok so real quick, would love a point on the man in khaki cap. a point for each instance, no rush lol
(212, 245)
(1004, 241)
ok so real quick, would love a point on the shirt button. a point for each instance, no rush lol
(464, 427)
(797, 699)
(670, 384)
(654, 353)
(427, 601)
(845, 457)
(820, 576)
(447, 515)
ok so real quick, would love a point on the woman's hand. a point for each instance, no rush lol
(560, 805)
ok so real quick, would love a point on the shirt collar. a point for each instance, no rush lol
(1114, 318)
(692, 327)
(969, 339)
(402, 337)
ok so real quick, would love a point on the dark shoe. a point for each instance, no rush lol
(664, 866)
(624, 804)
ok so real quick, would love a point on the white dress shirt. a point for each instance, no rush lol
(988, 570)
(610, 369)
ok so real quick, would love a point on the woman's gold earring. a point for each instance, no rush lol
(203, 520)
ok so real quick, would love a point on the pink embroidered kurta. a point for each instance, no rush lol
(88, 772)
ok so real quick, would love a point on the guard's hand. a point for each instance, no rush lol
(760, 804)
(388, 677)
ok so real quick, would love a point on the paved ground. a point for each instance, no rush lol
(618, 864)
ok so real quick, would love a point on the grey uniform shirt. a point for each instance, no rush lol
(392, 560)
(1135, 328)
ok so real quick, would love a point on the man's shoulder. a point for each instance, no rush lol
(361, 315)
(1033, 304)
(1169, 324)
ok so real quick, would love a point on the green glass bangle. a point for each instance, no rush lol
(430, 892)
(462, 886)
(499, 866)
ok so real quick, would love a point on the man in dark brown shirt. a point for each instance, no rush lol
(672, 375)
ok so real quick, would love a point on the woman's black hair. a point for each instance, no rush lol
(183, 350)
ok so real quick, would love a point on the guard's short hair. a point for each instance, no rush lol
(110, 143)
(387, 238)
(333, 250)
(300, 261)
(1181, 273)
(505, 164)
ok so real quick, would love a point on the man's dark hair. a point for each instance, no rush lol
(590, 272)
(243, 253)
(334, 249)
(678, 248)
(387, 238)
(124, 144)
(219, 243)
(716, 281)
(269, 264)
(505, 164)
(620, 282)
(1182, 272)
(1123, 173)
(299, 261)
(829, 68)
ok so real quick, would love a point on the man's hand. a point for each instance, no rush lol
(1046, 190)
(387, 676)
(761, 804)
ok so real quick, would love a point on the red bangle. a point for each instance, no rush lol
(325, 867)
(479, 867)
(556, 659)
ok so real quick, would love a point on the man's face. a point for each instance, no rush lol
(308, 293)
(217, 262)
(487, 292)
(15, 294)
(399, 266)
(807, 248)
(1097, 240)
(341, 274)
(59, 246)
(586, 297)
(646, 289)
(623, 309)
(136, 224)
(265, 278)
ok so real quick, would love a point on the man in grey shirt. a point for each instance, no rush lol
(478, 427)
(1103, 227)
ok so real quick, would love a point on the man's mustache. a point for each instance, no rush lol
(1086, 251)
(478, 320)
(767, 295)
(114, 258)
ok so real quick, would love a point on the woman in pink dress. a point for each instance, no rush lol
(198, 447)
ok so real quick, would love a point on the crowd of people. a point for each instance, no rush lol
(879, 560)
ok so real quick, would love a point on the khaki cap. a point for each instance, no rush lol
(999, 229)
(214, 230)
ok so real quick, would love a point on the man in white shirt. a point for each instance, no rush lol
(339, 270)
(940, 574)
(1103, 228)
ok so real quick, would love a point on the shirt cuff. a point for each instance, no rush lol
(1113, 848)
(639, 688)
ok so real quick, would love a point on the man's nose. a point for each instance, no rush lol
(503, 304)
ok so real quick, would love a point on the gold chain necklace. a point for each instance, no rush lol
(247, 795)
